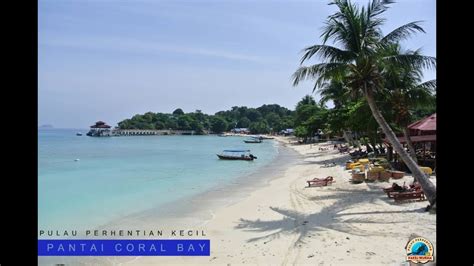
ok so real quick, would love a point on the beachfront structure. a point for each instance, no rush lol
(424, 127)
(240, 130)
(149, 132)
(423, 137)
(287, 132)
(100, 129)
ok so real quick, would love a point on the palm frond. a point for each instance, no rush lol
(429, 85)
(377, 7)
(335, 29)
(374, 9)
(326, 52)
(403, 32)
(319, 72)
(333, 90)
(419, 97)
(343, 26)
(415, 61)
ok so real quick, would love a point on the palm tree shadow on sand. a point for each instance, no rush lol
(331, 217)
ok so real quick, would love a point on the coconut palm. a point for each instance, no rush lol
(405, 92)
(361, 58)
(335, 91)
(307, 100)
(346, 101)
(420, 95)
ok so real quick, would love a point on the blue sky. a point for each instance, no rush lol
(109, 60)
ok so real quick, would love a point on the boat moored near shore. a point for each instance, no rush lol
(236, 155)
(253, 140)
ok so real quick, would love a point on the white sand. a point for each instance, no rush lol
(285, 223)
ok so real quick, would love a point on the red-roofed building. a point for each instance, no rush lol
(423, 130)
(100, 129)
(423, 137)
(416, 139)
(425, 126)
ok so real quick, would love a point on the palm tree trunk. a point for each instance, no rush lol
(347, 137)
(410, 144)
(428, 188)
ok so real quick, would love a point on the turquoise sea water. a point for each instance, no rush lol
(118, 176)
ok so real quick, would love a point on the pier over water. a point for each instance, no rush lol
(146, 132)
(101, 129)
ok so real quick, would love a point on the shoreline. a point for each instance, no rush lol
(284, 222)
(196, 210)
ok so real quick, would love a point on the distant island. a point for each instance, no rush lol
(46, 126)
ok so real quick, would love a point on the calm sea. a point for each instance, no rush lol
(116, 176)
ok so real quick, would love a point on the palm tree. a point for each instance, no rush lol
(407, 92)
(335, 91)
(362, 59)
(347, 100)
(420, 95)
(307, 100)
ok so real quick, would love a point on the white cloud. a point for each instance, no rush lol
(135, 46)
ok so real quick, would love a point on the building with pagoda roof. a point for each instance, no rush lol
(100, 129)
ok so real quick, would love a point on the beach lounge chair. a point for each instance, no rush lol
(343, 149)
(318, 182)
(395, 188)
(416, 195)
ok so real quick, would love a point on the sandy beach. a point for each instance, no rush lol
(281, 221)
(286, 223)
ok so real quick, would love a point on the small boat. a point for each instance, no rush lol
(236, 155)
(254, 140)
(78, 134)
(265, 137)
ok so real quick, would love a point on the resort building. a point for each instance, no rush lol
(287, 132)
(100, 129)
(240, 130)
(423, 136)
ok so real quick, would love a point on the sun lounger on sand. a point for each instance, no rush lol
(404, 193)
(395, 188)
(416, 195)
(318, 182)
(344, 149)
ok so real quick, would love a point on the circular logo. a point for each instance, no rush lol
(419, 250)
